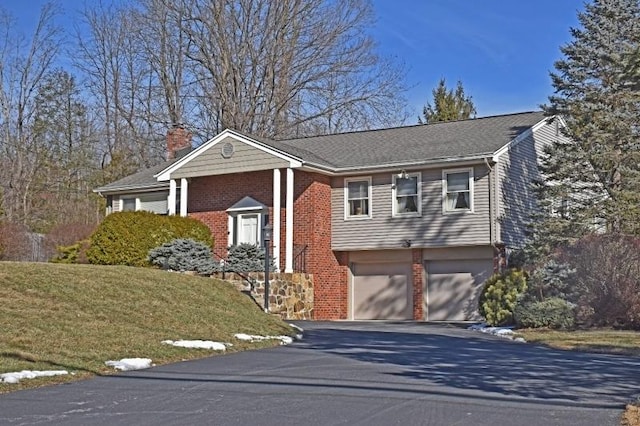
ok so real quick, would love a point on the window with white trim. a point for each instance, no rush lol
(407, 197)
(128, 204)
(248, 228)
(458, 190)
(357, 198)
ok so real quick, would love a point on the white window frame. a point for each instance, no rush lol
(238, 220)
(394, 197)
(347, 215)
(470, 209)
(136, 203)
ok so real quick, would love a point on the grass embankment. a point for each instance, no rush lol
(76, 317)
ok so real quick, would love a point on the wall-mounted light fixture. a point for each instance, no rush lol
(403, 174)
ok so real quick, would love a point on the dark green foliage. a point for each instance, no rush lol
(592, 176)
(500, 295)
(184, 255)
(606, 280)
(245, 258)
(125, 238)
(448, 105)
(552, 313)
(551, 279)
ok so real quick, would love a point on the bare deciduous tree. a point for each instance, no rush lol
(24, 65)
(291, 67)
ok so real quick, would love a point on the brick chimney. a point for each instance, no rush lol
(178, 141)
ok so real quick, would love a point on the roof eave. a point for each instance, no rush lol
(431, 163)
(131, 188)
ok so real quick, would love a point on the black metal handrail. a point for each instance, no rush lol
(300, 258)
(246, 278)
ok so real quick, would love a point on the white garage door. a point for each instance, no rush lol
(453, 288)
(382, 291)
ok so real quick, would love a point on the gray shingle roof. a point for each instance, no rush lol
(457, 139)
(396, 146)
(141, 180)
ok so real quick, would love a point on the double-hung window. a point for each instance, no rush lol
(457, 190)
(407, 199)
(357, 195)
(128, 204)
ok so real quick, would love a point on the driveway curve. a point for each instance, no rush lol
(353, 373)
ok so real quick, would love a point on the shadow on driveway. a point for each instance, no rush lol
(467, 360)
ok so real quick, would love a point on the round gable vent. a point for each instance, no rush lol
(227, 150)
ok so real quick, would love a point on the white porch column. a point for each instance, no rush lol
(288, 248)
(184, 189)
(172, 196)
(276, 218)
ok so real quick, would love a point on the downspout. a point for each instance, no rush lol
(492, 207)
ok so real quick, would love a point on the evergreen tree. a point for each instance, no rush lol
(592, 171)
(448, 105)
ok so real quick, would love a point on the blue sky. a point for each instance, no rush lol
(501, 50)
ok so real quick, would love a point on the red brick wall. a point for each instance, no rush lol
(312, 226)
(417, 269)
(209, 198)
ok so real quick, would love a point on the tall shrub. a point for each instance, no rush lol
(125, 238)
(500, 295)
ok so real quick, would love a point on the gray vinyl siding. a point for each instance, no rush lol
(432, 229)
(517, 168)
(244, 159)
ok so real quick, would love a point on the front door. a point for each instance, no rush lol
(248, 229)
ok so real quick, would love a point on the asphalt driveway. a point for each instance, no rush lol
(346, 373)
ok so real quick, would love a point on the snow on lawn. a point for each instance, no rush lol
(505, 332)
(29, 374)
(198, 344)
(126, 364)
(284, 340)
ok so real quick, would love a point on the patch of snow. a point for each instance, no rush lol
(505, 332)
(296, 327)
(246, 337)
(126, 364)
(29, 374)
(284, 340)
(198, 344)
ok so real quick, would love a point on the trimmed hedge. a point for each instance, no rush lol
(500, 295)
(552, 313)
(125, 238)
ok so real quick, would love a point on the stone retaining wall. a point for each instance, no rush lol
(290, 295)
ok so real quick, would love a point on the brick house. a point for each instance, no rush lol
(403, 223)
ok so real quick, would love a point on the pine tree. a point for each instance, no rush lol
(592, 176)
(448, 105)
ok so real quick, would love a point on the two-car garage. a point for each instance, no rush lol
(382, 284)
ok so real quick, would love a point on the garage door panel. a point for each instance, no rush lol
(382, 291)
(453, 288)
